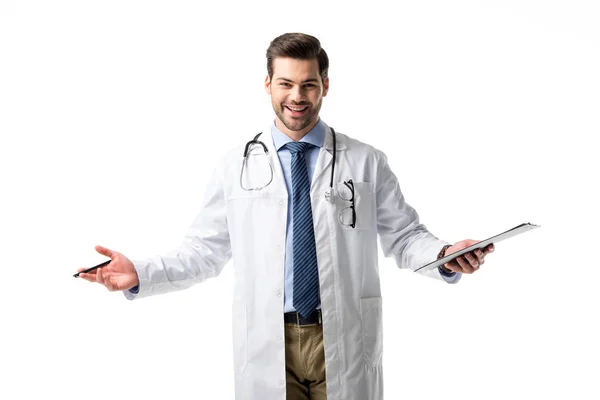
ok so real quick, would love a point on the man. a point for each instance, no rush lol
(307, 302)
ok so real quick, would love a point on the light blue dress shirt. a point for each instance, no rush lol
(316, 137)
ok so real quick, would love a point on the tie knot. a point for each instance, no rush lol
(297, 147)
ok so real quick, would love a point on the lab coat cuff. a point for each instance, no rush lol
(144, 282)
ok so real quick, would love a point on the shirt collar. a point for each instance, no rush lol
(316, 136)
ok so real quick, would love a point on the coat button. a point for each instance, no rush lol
(278, 293)
(279, 338)
(281, 383)
(281, 202)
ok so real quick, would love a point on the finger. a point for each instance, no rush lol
(92, 272)
(472, 260)
(489, 249)
(107, 252)
(464, 265)
(100, 276)
(79, 272)
(452, 266)
(480, 256)
(109, 284)
(88, 277)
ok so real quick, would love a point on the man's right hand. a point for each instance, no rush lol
(119, 274)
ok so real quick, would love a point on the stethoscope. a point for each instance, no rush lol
(328, 193)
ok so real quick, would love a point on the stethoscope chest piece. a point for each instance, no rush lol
(330, 195)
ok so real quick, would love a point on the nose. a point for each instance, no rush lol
(297, 94)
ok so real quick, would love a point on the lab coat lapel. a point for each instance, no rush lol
(279, 188)
(325, 158)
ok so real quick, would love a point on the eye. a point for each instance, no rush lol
(284, 84)
(309, 85)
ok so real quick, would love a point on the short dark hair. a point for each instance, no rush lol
(299, 46)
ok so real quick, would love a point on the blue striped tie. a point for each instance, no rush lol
(306, 273)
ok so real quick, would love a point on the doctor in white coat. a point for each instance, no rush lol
(249, 217)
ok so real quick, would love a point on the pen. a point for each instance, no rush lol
(91, 269)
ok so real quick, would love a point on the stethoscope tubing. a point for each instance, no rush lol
(328, 194)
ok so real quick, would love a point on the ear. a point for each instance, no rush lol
(268, 84)
(325, 86)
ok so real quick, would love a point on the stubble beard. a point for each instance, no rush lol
(297, 124)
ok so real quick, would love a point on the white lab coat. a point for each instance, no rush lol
(251, 227)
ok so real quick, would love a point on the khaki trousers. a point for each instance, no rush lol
(305, 362)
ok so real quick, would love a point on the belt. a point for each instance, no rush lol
(297, 319)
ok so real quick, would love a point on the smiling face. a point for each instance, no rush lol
(297, 92)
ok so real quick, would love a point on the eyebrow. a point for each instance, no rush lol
(291, 81)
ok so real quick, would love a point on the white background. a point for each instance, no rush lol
(113, 113)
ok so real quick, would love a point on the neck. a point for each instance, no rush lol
(295, 135)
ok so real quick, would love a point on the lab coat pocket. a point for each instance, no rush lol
(364, 206)
(372, 330)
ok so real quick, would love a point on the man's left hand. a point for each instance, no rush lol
(468, 262)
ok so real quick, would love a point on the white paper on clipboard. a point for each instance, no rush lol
(494, 239)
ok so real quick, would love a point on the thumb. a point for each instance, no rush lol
(105, 251)
(470, 242)
(462, 244)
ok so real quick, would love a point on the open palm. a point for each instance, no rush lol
(119, 274)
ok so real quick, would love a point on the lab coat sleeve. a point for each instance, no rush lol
(205, 250)
(401, 235)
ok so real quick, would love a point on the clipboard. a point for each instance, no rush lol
(494, 239)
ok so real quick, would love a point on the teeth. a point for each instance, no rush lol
(296, 109)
